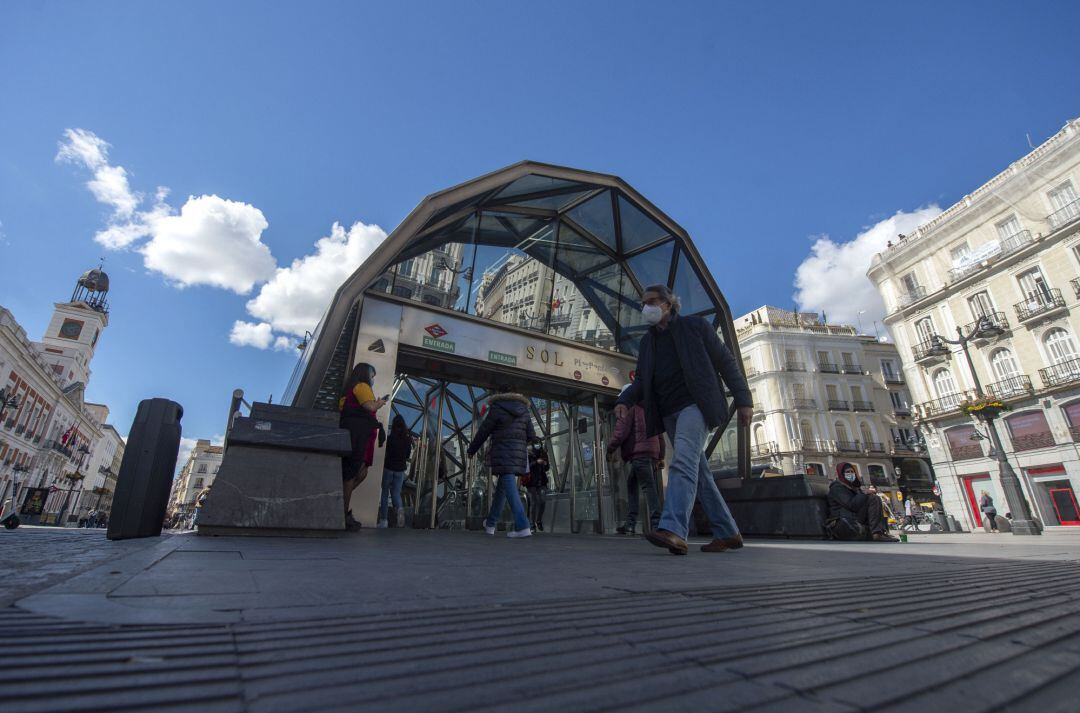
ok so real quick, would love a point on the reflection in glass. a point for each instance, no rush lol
(638, 229)
(688, 287)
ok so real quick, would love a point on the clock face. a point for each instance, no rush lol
(71, 329)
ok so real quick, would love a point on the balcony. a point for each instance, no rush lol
(1075, 282)
(1075, 433)
(848, 446)
(795, 366)
(838, 405)
(912, 296)
(1067, 372)
(1064, 215)
(932, 349)
(966, 452)
(940, 406)
(827, 368)
(1040, 304)
(901, 411)
(902, 446)
(763, 450)
(1011, 388)
(875, 447)
(816, 446)
(853, 369)
(988, 326)
(1014, 242)
(893, 379)
(804, 403)
(862, 406)
(959, 273)
(751, 372)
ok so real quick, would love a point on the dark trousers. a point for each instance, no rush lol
(991, 519)
(868, 511)
(643, 476)
(537, 503)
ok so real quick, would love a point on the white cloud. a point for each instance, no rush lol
(109, 184)
(296, 297)
(213, 241)
(251, 334)
(833, 277)
(283, 343)
(186, 446)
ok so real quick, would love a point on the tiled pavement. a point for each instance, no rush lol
(456, 621)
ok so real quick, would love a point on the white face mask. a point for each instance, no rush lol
(849, 477)
(652, 313)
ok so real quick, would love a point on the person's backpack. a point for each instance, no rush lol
(840, 528)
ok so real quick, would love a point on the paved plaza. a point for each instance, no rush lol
(449, 621)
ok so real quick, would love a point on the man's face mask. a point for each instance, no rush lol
(652, 313)
(849, 476)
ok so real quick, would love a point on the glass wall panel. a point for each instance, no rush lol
(638, 229)
(531, 184)
(688, 287)
(653, 267)
(595, 216)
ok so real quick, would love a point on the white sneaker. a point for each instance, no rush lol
(527, 532)
(489, 529)
(401, 518)
(381, 524)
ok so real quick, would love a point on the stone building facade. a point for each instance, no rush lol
(195, 477)
(1001, 265)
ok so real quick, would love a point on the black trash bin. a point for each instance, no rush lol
(146, 472)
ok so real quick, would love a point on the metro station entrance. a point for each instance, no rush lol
(533, 276)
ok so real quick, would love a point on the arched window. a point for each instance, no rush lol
(1004, 364)
(945, 387)
(759, 435)
(842, 433)
(806, 432)
(924, 330)
(1059, 345)
(867, 436)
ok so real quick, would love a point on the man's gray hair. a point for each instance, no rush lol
(666, 295)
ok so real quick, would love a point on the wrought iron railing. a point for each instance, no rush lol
(1038, 304)
(893, 379)
(1015, 242)
(1064, 215)
(816, 446)
(838, 405)
(795, 366)
(862, 406)
(848, 446)
(1075, 282)
(933, 347)
(959, 273)
(804, 403)
(912, 296)
(1011, 387)
(941, 405)
(763, 450)
(853, 368)
(993, 320)
(827, 368)
(1067, 372)
(875, 447)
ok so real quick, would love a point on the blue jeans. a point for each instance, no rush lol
(507, 490)
(391, 488)
(689, 476)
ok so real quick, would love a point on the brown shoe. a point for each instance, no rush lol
(884, 537)
(668, 540)
(723, 545)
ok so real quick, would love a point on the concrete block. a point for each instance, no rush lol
(271, 491)
(290, 435)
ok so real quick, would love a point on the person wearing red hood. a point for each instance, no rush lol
(862, 512)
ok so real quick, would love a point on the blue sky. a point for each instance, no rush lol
(760, 127)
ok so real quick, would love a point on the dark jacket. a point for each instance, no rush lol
(845, 498)
(986, 504)
(631, 436)
(707, 365)
(538, 473)
(398, 450)
(509, 425)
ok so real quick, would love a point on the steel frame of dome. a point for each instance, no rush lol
(547, 195)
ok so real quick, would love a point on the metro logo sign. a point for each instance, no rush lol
(436, 331)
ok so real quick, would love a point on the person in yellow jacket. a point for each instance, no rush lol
(358, 407)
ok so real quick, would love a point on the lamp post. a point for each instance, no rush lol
(1023, 523)
(7, 400)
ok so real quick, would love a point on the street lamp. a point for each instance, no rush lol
(7, 400)
(308, 336)
(1023, 523)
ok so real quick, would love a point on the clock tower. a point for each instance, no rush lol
(72, 335)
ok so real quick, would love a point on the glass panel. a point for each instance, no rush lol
(653, 267)
(576, 254)
(689, 288)
(638, 229)
(613, 300)
(532, 184)
(552, 202)
(595, 216)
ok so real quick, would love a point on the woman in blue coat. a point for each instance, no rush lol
(508, 424)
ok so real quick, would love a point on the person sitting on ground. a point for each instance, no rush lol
(986, 504)
(853, 513)
(398, 449)
(537, 486)
(642, 452)
(509, 425)
(358, 407)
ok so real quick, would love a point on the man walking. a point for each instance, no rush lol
(642, 453)
(681, 372)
